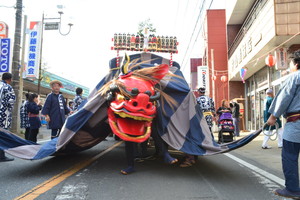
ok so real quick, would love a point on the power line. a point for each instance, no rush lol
(191, 17)
(201, 25)
(182, 19)
(2, 6)
(175, 25)
(185, 10)
(201, 9)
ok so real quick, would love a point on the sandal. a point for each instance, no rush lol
(173, 161)
(169, 159)
(187, 163)
(127, 171)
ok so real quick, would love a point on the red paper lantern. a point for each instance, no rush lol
(223, 78)
(270, 60)
(214, 78)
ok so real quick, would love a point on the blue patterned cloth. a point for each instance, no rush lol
(207, 105)
(183, 128)
(77, 101)
(24, 115)
(7, 100)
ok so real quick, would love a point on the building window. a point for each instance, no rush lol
(262, 77)
(274, 74)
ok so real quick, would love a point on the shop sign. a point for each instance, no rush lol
(3, 30)
(241, 52)
(242, 109)
(35, 32)
(203, 80)
(4, 55)
(51, 26)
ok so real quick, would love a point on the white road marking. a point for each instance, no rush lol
(257, 170)
(78, 192)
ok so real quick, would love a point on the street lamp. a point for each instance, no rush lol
(55, 26)
(59, 29)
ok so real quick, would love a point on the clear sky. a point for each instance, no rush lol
(84, 54)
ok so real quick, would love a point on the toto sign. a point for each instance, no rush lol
(4, 48)
(4, 54)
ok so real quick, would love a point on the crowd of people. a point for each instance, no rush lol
(232, 110)
(55, 110)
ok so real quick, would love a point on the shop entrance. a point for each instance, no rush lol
(257, 110)
(260, 111)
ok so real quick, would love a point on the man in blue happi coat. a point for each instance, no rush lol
(55, 109)
(287, 103)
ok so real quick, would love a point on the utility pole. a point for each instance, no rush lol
(40, 66)
(213, 73)
(16, 67)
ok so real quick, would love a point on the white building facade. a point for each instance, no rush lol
(255, 29)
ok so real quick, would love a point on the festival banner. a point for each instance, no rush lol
(203, 80)
(34, 50)
(4, 55)
(281, 58)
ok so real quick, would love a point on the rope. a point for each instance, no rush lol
(271, 133)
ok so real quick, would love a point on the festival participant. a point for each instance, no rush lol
(24, 117)
(267, 104)
(7, 100)
(235, 107)
(161, 149)
(55, 109)
(225, 122)
(78, 98)
(287, 103)
(224, 108)
(208, 107)
(71, 106)
(34, 106)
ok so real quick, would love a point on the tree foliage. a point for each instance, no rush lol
(146, 25)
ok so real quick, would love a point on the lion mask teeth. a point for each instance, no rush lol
(125, 115)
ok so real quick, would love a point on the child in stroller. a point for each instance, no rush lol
(225, 123)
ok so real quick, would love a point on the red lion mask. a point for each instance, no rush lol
(132, 103)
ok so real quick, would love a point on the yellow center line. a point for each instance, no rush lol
(55, 180)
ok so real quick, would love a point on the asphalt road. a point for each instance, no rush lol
(95, 174)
